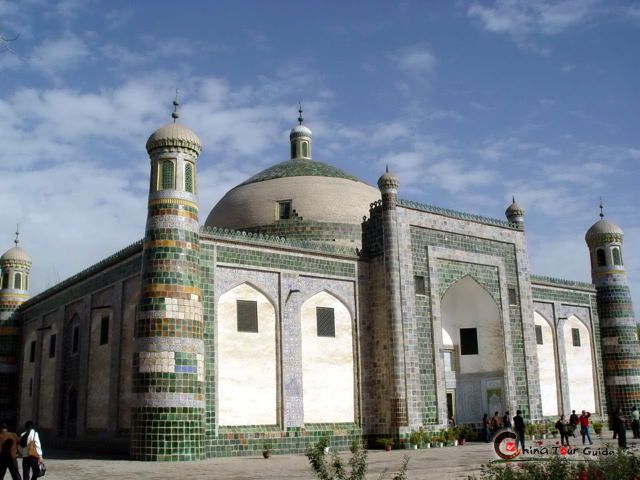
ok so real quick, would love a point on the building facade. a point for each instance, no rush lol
(309, 304)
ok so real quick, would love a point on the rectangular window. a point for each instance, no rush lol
(539, 334)
(421, 289)
(32, 352)
(104, 330)
(52, 346)
(247, 316)
(513, 298)
(75, 341)
(468, 341)
(325, 322)
(284, 210)
(575, 335)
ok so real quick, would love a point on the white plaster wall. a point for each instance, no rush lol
(579, 367)
(247, 377)
(327, 364)
(255, 204)
(547, 368)
(467, 305)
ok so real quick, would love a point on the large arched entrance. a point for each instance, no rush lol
(473, 350)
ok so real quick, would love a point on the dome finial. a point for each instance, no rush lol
(175, 115)
(17, 240)
(300, 117)
(601, 209)
(513, 199)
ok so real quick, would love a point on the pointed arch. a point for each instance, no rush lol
(329, 291)
(246, 357)
(328, 379)
(473, 279)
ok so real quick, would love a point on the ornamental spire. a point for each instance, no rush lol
(175, 115)
(17, 240)
(601, 209)
(300, 117)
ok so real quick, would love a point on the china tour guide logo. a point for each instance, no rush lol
(505, 443)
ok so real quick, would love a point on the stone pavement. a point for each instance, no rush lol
(424, 464)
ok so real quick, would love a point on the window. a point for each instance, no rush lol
(601, 260)
(617, 258)
(17, 281)
(539, 334)
(52, 346)
(284, 210)
(513, 297)
(167, 175)
(293, 150)
(468, 341)
(32, 352)
(420, 287)
(5, 280)
(26, 282)
(247, 316)
(75, 341)
(104, 330)
(575, 335)
(325, 322)
(188, 177)
(305, 149)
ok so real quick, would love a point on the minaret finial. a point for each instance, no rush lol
(387, 168)
(513, 199)
(175, 115)
(17, 240)
(601, 209)
(300, 117)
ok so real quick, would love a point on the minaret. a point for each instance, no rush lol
(300, 138)
(15, 265)
(168, 378)
(619, 337)
(388, 184)
(515, 213)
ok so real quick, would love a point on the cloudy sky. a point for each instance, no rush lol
(469, 102)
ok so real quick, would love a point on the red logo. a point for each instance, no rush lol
(563, 450)
(510, 446)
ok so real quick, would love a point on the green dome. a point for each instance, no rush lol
(299, 168)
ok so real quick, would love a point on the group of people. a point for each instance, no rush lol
(618, 424)
(27, 446)
(567, 429)
(496, 423)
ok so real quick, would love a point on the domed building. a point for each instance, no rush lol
(309, 304)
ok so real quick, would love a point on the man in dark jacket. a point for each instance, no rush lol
(8, 453)
(518, 426)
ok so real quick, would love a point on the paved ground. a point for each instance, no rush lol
(424, 464)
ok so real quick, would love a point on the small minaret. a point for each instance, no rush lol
(619, 337)
(388, 184)
(300, 138)
(515, 213)
(168, 376)
(15, 266)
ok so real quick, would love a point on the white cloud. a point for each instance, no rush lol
(59, 53)
(416, 59)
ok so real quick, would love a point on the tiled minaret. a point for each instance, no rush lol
(515, 214)
(168, 417)
(15, 265)
(620, 346)
(388, 184)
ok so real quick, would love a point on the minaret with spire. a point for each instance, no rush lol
(515, 213)
(618, 329)
(168, 417)
(15, 265)
(300, 139)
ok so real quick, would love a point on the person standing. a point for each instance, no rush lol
(561, 426)
(8, 453)
(31, 450)
(495, 423)
(584, 426)
(506, 420)
(620, 427)
(635, 422)
(518, 426)
(573, 423)
(487, 430)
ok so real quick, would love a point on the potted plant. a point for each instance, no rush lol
(464, 433)
(530, 431)
(415, 438)
(597, 427)
(386, 442)
(266, 450)
(426, 439)
(325, 444)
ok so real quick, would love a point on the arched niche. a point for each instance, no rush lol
(579, 360)
(327, 360)
(547, 370)
(246, 348)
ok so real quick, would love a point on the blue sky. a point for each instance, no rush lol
(469, 102)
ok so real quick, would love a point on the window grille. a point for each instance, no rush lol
(468, 341)
(420, 286)
(325, 322)
(575, 335)
(188, 177)
(247, 316)
(539, 335)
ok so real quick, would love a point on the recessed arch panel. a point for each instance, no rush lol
(547, 372)
(577, 341)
